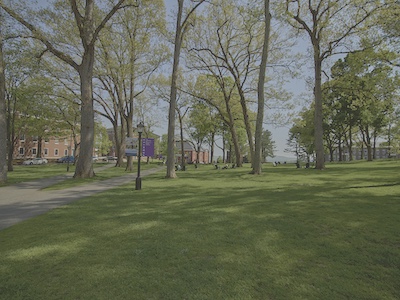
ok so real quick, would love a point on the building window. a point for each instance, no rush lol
(66, 142)
(55, 141)
(55, 152)
(34, 151)
(46, 140)
(46, 151)
(22, 137)
(66, 152)
(21, 151)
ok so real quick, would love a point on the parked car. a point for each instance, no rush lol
(109, 158)
(66, 159)
(35, 161)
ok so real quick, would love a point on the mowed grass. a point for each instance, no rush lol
(217, 234)
(23, 173)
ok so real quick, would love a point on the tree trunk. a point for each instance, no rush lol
(210, 159)
(223, 148)
(10, 134)
(247, 123)
(3, 116)
(172, 103)
(331, 154)
(238, 154)
(234, 136)
(129, 130)
(256, 161)
(369, 145)
(369, 152)
(122, 145)
(318, 118)
(374, 147)
(84, 166)
(350, 144)
(40, 147)
(183, 163)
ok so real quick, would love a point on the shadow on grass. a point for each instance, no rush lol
(214, 235)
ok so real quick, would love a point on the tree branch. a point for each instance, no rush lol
(40, 36)
(108, 17)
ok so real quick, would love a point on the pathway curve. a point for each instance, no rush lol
(26, 200)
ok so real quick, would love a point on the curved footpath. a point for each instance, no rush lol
(26, 200)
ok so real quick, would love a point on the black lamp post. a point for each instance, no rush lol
(140, 128)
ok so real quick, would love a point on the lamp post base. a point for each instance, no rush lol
(138, 183)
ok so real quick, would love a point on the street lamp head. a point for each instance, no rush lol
(140, 127)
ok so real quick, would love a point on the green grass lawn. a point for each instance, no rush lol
(217, 234)
(26, 173)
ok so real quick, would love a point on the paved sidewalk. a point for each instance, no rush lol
(26, 200)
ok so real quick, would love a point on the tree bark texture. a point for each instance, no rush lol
(318, 118)
(172, 102)
(257, 163)
(3, 116)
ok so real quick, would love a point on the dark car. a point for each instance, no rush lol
(66, 159)
(110, 158)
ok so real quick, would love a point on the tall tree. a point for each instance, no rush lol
(257, 163)
(328, 23)
(89, 31)
(218, 91)
(301, 136)
(200, 125)
(129, 53)
(369, 85)
(233, 44)
(20, 66)
(182, 109)
(267, 145)
(3, 116)
(182, 23)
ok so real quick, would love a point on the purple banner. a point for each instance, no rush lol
(148, 147)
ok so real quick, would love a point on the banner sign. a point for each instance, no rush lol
(132, 146)
(148, 147)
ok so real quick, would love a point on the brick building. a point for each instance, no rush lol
(191, 154)
(50, 148)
